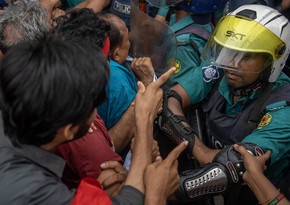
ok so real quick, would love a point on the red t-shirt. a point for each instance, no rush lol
(84, 155)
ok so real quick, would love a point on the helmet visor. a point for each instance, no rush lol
(237, 40)
(240, 61)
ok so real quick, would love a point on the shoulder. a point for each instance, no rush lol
(32, 183)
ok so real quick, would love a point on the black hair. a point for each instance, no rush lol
(49, 85)
(82, 25)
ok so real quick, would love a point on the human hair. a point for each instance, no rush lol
(82, 24)
(49, 85)
(115, 35)
(22, 22)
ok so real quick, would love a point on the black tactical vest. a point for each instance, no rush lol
(223, 129)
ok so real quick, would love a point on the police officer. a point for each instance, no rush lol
(243, 92)
(192, 23)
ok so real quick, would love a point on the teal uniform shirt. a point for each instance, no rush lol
(72, 3)
(273, 132)
(187, 59)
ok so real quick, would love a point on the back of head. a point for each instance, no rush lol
(84, 25)
(253, 29)
(49, 85)
(22, 22)
(202, 6)
(117, 26)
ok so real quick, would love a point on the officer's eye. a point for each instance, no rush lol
(247, 56)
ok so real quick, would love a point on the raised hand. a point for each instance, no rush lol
(161, 178)
(143, 69)
(149, 100)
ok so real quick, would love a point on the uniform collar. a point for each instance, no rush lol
(226, 93)
(185, 21)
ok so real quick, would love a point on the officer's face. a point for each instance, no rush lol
(249, 69)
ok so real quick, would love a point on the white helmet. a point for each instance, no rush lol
(251, 29)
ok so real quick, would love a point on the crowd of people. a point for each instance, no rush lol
(83, 123)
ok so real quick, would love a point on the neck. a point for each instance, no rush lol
(180, 14)
(49, 147)
(245, 91)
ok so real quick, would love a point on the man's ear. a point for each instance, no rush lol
(68, 131)
(115, 54)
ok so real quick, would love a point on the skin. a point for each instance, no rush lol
(285, 4)
(121, 52)
(143, 68)
(249, 69)
(66, 133)
(159, 171)
(97, 6)
(255, 179)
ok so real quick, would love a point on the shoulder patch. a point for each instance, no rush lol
(266, 120)
(210, 73)
(175, 63)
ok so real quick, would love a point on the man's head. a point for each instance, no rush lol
(251, 44)
(50, 86)
(82, 25)
(22, 22)
(119, 37)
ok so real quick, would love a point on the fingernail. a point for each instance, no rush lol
(186, 143)
(103, 165)
(158, 158)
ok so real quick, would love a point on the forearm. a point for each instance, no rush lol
(123, 131)
(141, 153)
(264, 190)
(128, 195)
(202, 153)
(149, 200)
(96, 5)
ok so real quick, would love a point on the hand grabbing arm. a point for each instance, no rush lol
(263, 189)
(112, 177)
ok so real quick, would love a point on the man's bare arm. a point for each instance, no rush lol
(96, 5)
(123, 131)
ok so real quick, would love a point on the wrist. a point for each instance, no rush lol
(154, 198)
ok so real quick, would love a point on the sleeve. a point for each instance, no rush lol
(273, 133)
(85, 154)
(196, 86)
(120, 94)
(128, 196)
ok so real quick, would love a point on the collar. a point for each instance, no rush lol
(241, 92)
(184, 22)
(39, 156)
(227, 94)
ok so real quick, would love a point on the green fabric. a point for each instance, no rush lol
(186, 57)
(163, 11)
(72, 3)
(275, 137)
(194, 85)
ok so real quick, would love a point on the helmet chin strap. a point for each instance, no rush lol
(245, 91)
